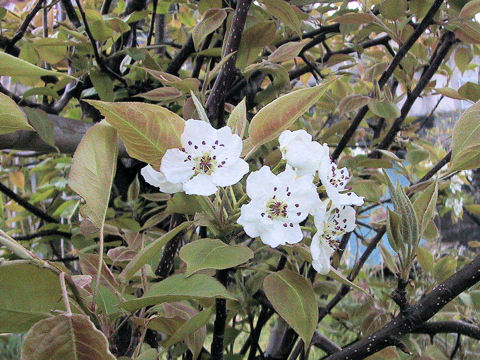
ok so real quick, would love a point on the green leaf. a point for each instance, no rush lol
(335, 274)
(254, 39)
(162, 94)
(470, 91)
(93, 169)
(285, 13)
(181, 203)
(178, 287)
(66, 337)
(425, 259)
(425, 205)
(393, 231)
(384, 109)
(14, 66)
(287, 51)
(212, 20)
(28, 293)
(237, 120)
(42, 125)
(199, 107)
(352, 103)
(149, 251)
(147, 130)
(393, 9)
(89, 266)
(188, 328)
(184, 85)
(15, 247)
(213, 254)
(355, 18)
(444, 268)
(463, 57)
(470, 9)
(280, 114)
(150, 354)
(466, 140)
(12, 117)
(103, 84)
(293, 298)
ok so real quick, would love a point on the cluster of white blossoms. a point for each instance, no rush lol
(279, 203)
(208, 158)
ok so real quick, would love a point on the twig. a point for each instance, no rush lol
(43, 233)
(182, 56)
(68, 310)
(443, 48)
(25, 204)
(152, 22)
(417, 315)
(449, 326)
(214, 105)
(427, 20)
(217, 346)
(71, 14)
(23, 28)
(98, 58)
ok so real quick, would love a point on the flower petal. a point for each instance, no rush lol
(229, 145)
(201, 184)
(198, 137)
(158, 179)
(251, 220)
(279, 234)
(176, 167)
(229, 175)
(321, 253)
(261, 183)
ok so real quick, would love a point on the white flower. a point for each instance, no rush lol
(335, 181)
(303, 154)
(208, 158)
(330, 225)
(278, 204)
(157, 178)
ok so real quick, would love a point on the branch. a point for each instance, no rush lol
(427, 20)
(25, 204)
(449, 326)
(416, 315)
(443, 48)
(43, 233)
(71, 14)
(98, 58)
(23, 28)
(322, 342)
(216, 349)
(182, 56)
(224, 79)
(68, 134)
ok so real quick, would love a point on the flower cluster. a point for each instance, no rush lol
(208, 158)
(278, 205)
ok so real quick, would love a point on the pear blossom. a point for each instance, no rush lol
(208, 158)
(301, 153)
(279, 203)
(330, 225)
(157, 178)
(335, 181)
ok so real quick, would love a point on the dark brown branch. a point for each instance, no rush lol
(105, 9)
(26, 23)
(444, 46)
(93, 42)
(26, 205)
(182, 56)
(71, 14)
(416, 315)
(436, 168)
(214, 105)
(152, 22)
(217, 346)
(43, 233)
(322, 342)
(449, 326)
(427, 20)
